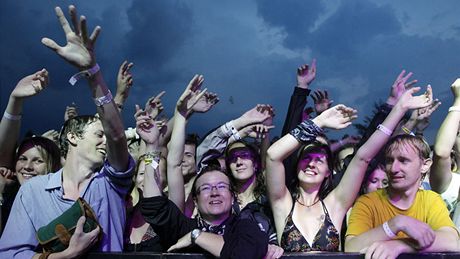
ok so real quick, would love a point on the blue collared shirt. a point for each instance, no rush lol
(40, 200)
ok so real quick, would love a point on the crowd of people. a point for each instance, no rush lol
(238, 192)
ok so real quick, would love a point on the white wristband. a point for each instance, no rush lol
(385, 130)
(84, 74)
(388, 230)
(454, 109)
(11, 117)
(235, 134)
(100, 101)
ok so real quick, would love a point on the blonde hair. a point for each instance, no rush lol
(414, 142)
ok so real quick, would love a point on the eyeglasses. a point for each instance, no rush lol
(207, 188)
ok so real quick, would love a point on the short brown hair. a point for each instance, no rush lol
(75, 125)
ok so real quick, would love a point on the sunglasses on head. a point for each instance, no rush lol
(241, 152)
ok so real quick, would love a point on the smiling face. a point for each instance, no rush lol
(214, 197)
(31, 163)
(188, 161)
(92, 144)
(313, 168)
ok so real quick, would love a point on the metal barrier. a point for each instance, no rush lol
(313, 255)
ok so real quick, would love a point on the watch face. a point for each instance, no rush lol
(195, 233)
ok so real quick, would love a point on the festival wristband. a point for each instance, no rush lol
(100, 101)
(84, 74)
(454, 109)
(388, 230)
(385, 130)
(11, 117)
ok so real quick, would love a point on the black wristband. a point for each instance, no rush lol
(306, 131)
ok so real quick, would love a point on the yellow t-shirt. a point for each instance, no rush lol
(373, 209)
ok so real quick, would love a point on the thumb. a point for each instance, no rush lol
(80, 223)
(50, 44)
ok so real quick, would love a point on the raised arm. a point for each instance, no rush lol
(346, 192)
(336, 117)
(219, 138)
(79, 51)
(124, 84)
(441, 175)
(10, 124)
(321, 101)
(184, 105)
(305, 76)
(149, 133)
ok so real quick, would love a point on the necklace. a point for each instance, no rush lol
(308, 206)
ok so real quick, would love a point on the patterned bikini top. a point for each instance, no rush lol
(327, 238)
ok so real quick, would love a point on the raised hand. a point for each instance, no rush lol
(6, 178)
(124, 82)
(306, 113)
(206, 102)
(425, 113)
(399, 87)
(256, 131)
(52, 135)
(337, 117)
(146, 127)
(258, 114)
(408, 101)
(31, 84)
(306, 75)
(422, 115)
(154, 106)
(79, 49)
(71, 111)
(190, 96)
(321, 100)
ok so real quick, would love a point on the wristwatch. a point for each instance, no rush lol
(195, 234)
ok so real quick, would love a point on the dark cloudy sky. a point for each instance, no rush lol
(248, 51)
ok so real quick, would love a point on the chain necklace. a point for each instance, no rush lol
(308, 206)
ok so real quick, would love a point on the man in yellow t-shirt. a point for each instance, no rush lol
(402, 218)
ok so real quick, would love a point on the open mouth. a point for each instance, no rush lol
(308, 172)
(102, 151)
(215, 202)
(27, 175)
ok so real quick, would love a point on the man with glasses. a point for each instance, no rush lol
(215, 230)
